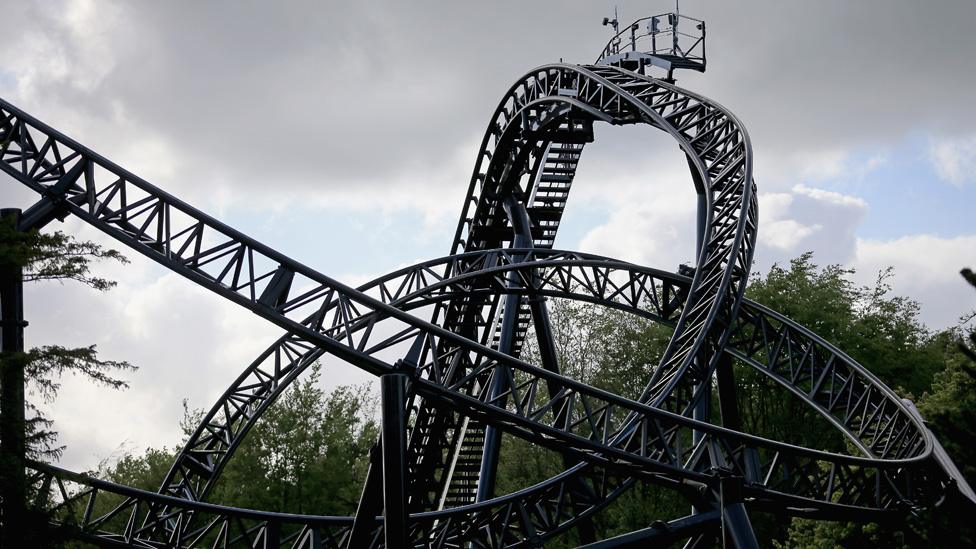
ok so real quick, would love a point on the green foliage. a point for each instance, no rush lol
(307, 454)
(54, 256)
(603, 347)
(145, 472)
(884, 334)
(617, 351)
(949, 407)
(969, 349)
(612, 350)
(880, 331)
(819, 534)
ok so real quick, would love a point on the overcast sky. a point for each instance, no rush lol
(343, 134)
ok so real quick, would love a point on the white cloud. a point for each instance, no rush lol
(826, 164)
(830, 197)
(836, 164)
(805, 219)
(954, 159)
(927, 269)
(649, 197)
(661, 235)
(786, 234)
(367, 110)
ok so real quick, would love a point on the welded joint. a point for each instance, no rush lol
(727, 485)
(410, 364)
(51, 206)
(728, 489)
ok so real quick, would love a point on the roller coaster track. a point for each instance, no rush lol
(466, 380)
(847, 395)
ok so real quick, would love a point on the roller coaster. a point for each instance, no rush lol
(445, 338)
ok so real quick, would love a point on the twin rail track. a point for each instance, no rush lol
(464, 319)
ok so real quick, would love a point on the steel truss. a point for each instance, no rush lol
(445, 335)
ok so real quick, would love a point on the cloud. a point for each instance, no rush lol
(786, 234)
(307, 102)
(838, 164)
(927, 269)
(954, 159)
(641, 184)
(315, 108)
(187, 343)
(830, 197)
(807, 218)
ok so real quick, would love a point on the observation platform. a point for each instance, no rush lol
(668, 41)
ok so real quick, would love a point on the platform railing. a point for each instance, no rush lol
(667, 34)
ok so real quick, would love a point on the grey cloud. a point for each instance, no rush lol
(812, 220)
(310, 98)
(312, 95)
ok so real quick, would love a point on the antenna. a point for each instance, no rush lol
(615, 22)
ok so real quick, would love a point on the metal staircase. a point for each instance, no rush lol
(547, 200)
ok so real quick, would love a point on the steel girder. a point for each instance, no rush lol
(719, 156)
(638, 290)
(721, 145)
(848, 396)
(528, 155)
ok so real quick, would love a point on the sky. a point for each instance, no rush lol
(343, 134)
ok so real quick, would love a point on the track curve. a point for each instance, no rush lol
(516, 196)
(431, 526)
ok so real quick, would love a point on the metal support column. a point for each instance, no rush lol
(728, 406)
(547, 350)
(522, 238)
(393, 389)
(702, 392)
(702, 411)
(370, 501)
(736, 525)
(13, 444)
(499, 384)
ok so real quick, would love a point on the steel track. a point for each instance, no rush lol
(462, 315)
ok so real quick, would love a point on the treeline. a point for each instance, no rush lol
(308, 453)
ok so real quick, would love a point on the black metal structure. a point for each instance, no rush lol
(445, 338)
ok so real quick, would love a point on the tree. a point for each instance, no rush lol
(884, 334)
(31, 256)
(970, 349)
(881, 331)
(612, 350)
(949, 409)
(307, 454)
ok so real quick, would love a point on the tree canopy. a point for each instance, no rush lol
(308, 454)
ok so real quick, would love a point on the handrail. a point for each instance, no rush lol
(660, 44)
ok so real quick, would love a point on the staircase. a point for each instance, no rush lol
(466, 467)
(546, 204)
